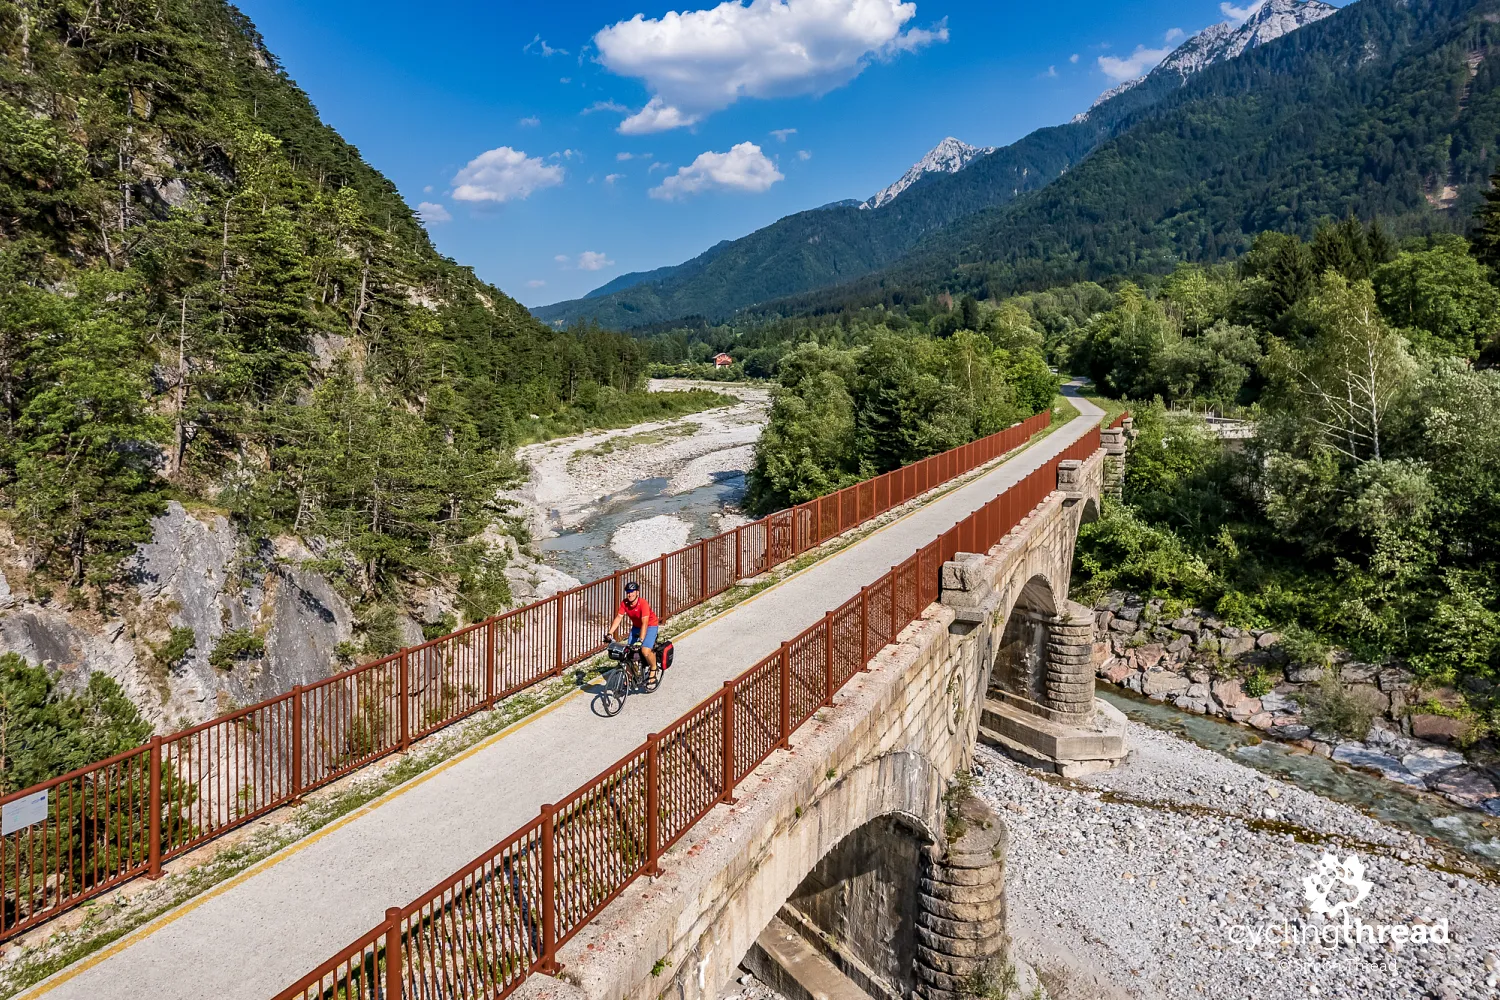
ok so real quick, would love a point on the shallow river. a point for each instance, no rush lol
(584, 551)
(1423, 814)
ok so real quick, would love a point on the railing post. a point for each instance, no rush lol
(786, 697)
(661, 586)
(559, 616)
(489, 663)
(895, 629)
(864, 629)
(739, 558)
(727, 713)
(703, 571)
(653, 805)
(393, 954)
(296, 795)
(153, 861)
(547, 964)
(828, 659)
(405, 695)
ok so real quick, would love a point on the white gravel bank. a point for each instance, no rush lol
(1151, 880)
(646, 539)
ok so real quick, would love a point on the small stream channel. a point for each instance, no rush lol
(583, 551)
(1426, 815)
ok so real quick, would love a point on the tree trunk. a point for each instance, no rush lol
(178, 432)
(364, 285)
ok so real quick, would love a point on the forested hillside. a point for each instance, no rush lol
(1386, 108)
(1364, 513)
(826, 246)
(206, 294)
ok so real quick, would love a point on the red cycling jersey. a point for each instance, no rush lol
(641, 616)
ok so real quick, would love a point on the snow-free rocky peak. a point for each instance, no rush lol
(947, 157)
(1268, 21)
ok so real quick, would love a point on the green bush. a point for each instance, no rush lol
(1262, 681)
(1331, 709)
(180, 642)
(45, 732)
(234, 645)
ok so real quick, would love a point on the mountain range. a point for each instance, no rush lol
(1298, 112)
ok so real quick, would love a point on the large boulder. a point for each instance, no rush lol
(1159, 684)
(1438, 728)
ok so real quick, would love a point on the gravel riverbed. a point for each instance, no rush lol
(1181, 874)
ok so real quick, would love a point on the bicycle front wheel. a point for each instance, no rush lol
(612, 696)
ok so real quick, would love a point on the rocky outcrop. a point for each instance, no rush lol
(197, 572)
(1203, 665)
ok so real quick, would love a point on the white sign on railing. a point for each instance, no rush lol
(23, 812)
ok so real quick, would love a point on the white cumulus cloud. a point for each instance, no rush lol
(504, 174)
(611, 178)
(782, 133)
(589, 260)
(657, 116)
(1239, 14)
(702, 61)
(743, 168)
(1138, 63)
(804, 155)
(432, 213)
(529, 122)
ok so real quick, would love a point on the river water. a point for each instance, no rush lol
(1424, 814)
(584, 552)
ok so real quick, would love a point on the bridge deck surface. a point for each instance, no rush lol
(249, 940)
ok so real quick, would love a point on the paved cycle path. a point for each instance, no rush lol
(254, 936)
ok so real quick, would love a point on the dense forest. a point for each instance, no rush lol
(867, 391)
(1365, 511)
(206, 294)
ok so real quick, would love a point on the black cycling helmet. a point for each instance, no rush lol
(632, 587)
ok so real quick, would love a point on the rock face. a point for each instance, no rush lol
(1268, 20)
(1202, 665)
(197, 572)
(947, 157)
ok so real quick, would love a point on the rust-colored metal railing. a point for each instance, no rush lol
(1120, 420)
(122, 817)
(481, 931)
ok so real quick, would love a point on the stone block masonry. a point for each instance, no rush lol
(1201, 664)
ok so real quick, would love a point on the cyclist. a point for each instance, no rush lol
(643, 622)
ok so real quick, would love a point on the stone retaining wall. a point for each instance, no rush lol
(1201, 664)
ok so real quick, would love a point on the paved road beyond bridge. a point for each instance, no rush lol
(256, 935)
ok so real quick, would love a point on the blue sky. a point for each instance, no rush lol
(559, 145)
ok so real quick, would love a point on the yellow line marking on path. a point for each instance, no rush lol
(265, 864)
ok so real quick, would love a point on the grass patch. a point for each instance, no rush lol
(639, 440)
(613, 410)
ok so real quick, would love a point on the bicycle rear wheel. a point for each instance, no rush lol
(612, 696)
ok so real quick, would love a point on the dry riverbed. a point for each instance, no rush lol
(1180, 875)
(571, 478)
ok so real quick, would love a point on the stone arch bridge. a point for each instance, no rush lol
(850, 839)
